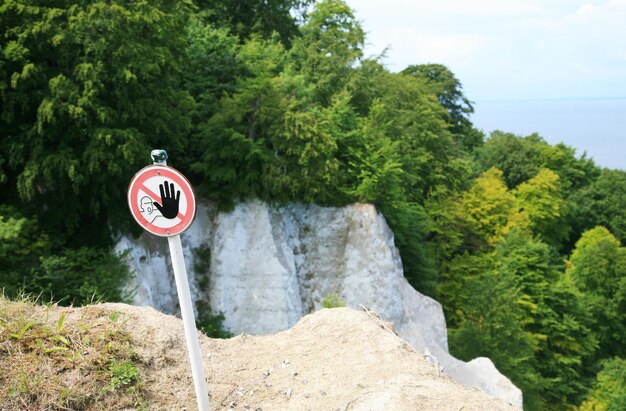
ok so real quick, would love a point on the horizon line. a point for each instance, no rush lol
(521, 99)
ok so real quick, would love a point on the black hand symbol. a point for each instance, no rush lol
(169, 209)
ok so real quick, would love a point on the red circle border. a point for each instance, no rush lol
(167, 172)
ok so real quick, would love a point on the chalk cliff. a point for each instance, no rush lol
(265, 267)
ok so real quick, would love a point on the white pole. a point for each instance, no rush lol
(191, 334)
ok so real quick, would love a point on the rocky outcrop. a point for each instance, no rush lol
(265, 267)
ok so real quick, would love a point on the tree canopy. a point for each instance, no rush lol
(90, 87)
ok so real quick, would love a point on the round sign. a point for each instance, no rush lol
(161, 200)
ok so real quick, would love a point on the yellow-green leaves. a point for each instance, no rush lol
(15, 51)
(489, 207)
(608, 392)
(537, 205)
(543, 202)
(597, 261)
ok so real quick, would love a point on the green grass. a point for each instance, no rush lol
(54, 358)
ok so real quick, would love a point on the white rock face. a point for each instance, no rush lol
(269, 266)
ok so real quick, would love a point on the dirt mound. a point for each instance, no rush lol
(337, 359)
(332, 359)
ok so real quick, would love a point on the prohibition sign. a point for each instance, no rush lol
(161, 200)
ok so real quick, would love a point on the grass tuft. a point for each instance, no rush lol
(53, 358)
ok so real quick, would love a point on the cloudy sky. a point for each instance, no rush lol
(506, 49)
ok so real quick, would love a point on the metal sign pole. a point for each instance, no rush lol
(186, 311)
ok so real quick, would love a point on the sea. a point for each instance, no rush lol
(595, 126)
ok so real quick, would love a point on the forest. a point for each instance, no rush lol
(521, 241)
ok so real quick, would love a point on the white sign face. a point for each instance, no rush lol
(161, 200)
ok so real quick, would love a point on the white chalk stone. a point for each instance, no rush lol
(269, 266)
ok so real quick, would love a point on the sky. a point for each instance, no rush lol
(506, 49)
(511, 54)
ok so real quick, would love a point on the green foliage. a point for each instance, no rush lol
(598, 269)
(542, 201)
(484, 213)
(569, 349)
(84, 363)
(81, 276)
(307, 168)
(332, 300)
(554, 319)
(448, 89)
(21, 245)
(211, 73)
(366, 84)
(202, 261)
(608, 390)
(448, 232)
(410, 225)
(73, 276)
(489, 208)
(455, 288)
(413, 118)
(521, 158)
(211, 325)
(491, 322)
(374, 163)
(234, 139)
(93, 86)
(510, 304)
(246, 18)
(603, 202)
(123, 374)
(332, 42)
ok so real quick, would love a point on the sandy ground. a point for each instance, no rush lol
(334, 359)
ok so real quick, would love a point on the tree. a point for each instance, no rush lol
(510, 304)
(21, 245)
(235, 140)
(598, 268)
(263, 17)
(541, 200)
(375, 166)
(401, 153)
(31, 265)
(305, 165)
(491, 323)
(448, 89)
(90, 88)
(331, 44)
(521, 158)
(554, 318)
(213, 67)
(214, 64)
(603, 202)
(443, 83)
(268, 138)
(367, 84)
(490, 209)
(608, 390)
(413, 119)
